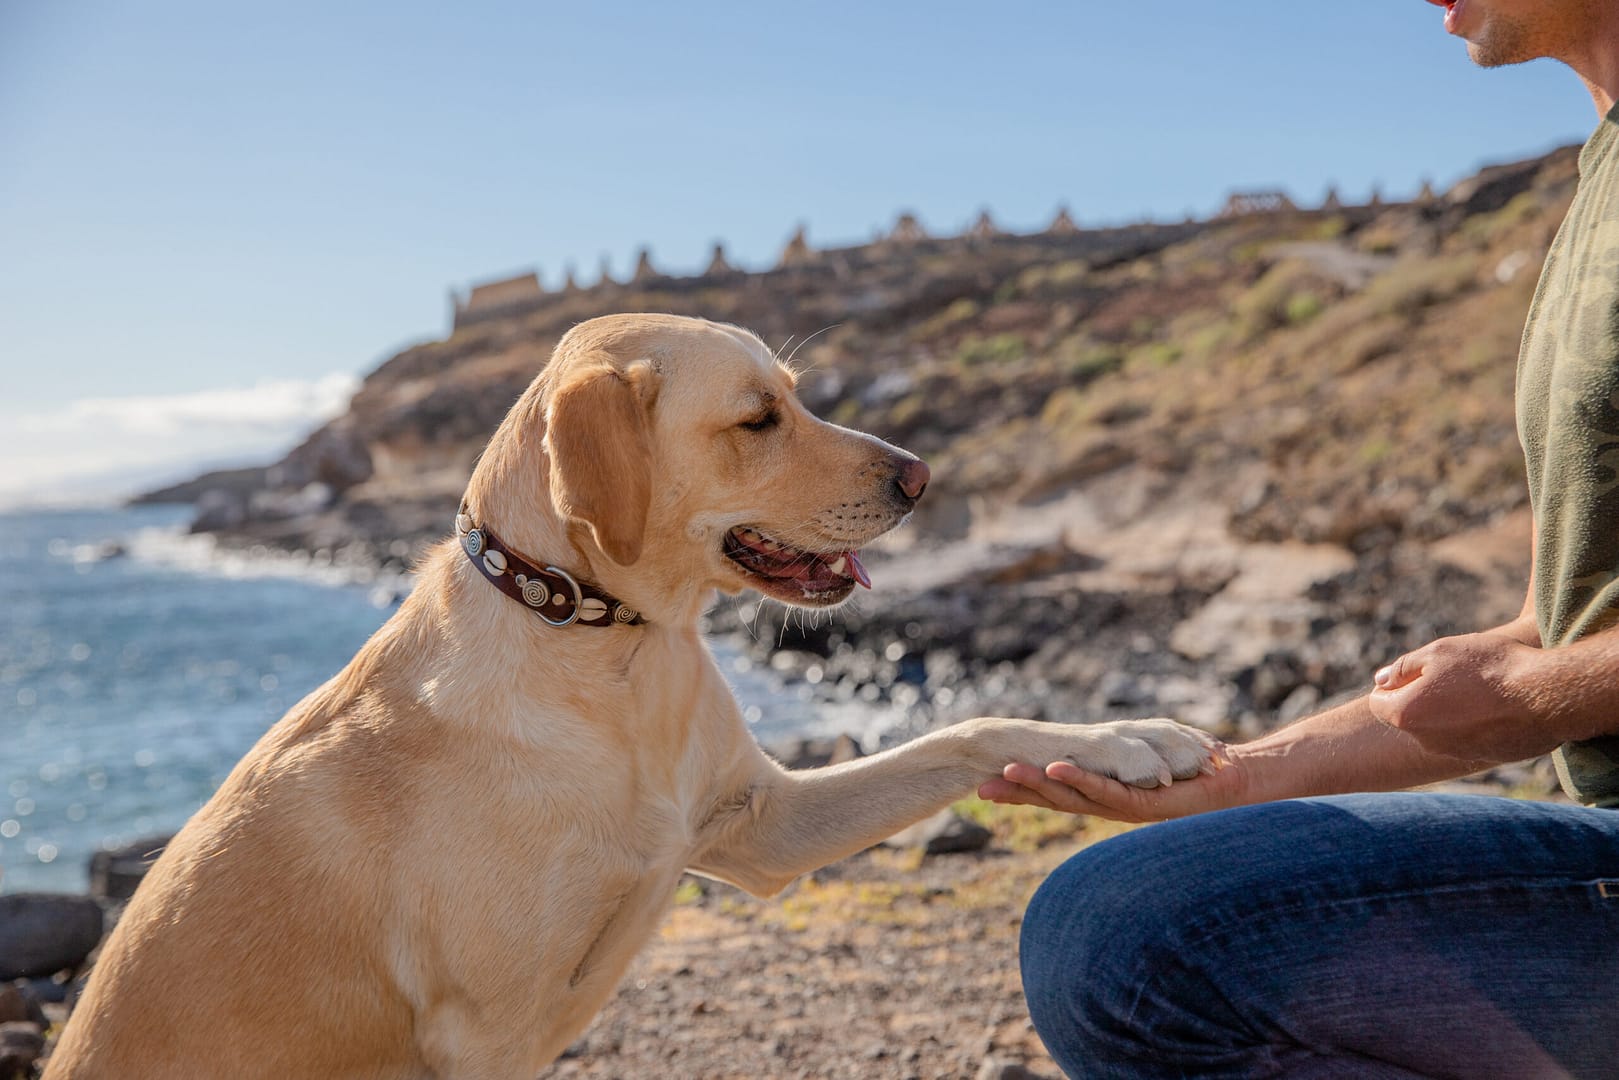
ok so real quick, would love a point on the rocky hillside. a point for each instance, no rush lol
(1219, 468)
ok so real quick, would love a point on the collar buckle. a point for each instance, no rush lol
(578, 599)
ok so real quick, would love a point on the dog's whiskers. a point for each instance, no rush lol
(777, 354)
(806, 341)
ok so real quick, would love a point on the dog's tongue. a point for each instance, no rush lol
(857, 571)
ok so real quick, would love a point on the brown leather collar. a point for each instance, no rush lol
(553, 594)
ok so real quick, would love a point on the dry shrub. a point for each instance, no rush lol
(1413, 284)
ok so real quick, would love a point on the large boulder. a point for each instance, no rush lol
(114, 872)
(942, 834)
(43, 933)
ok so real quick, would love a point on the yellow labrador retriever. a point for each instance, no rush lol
(440, 863)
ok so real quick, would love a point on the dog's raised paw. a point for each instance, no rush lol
(1156, 752)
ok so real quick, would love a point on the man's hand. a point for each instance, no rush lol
(1471, 697)
(1062, 786)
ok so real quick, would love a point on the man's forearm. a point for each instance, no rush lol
(1347, 749)
(1524, 629)
(1339, 751)
(1575, 689)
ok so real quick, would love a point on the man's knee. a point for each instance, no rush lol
(1115, 952)
(1093, 936)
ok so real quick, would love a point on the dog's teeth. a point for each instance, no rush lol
(837, 567)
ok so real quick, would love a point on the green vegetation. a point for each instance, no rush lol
(1302, 307)
(1158, 354)
(1413, 284)
(996, 349)
(956, 314)
(1284, 294)
(1482, 230)
(1020, 828)
(1081, 359)
(1330, 228)
(1375, 449)
(1065, 408)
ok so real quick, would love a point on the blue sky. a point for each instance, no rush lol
(258, 203)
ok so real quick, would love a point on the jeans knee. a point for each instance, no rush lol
(1089, 940)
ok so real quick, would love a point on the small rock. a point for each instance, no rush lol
(17, 1004)
(1038, 562)
(1119, 688)
(21, 1043)
(815, 753)
(43, 933)
(995, 1068)
(44, 991)
(219, 510)
(944, 832)
(1298, 704)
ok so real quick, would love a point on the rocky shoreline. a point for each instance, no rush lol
(899, 963)
(1052, 613)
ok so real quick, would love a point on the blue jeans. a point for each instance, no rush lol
(1374, 936)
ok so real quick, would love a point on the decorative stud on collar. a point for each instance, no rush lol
(553, 594)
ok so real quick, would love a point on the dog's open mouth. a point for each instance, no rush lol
(793, 574)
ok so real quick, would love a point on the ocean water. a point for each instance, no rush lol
(138, 664)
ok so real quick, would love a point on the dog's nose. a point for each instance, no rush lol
(913, 478)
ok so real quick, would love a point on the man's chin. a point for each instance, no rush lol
(1486, 55)
(1503, 43)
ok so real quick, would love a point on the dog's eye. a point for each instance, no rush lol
(762, 423)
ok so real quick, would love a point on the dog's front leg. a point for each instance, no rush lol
(781, 823)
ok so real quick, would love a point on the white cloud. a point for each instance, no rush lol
(92, 443)
(272, 405)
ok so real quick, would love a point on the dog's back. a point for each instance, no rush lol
(260, 917)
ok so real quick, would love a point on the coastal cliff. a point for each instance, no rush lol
(1215, 469)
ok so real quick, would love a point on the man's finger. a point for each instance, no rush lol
(1021, 772)
(1008, 793)
(1402, 671)
(1004, 791)
(1057, 795)
(1097, 788)
(1386, 675)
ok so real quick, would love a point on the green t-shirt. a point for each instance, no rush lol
(1568, 420)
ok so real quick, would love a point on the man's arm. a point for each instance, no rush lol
(1338, 751)
(1346, 749)
(1501, 700)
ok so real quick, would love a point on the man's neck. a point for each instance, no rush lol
(1601, 96)
(1597, 65)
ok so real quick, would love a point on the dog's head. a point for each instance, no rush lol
(678, 449)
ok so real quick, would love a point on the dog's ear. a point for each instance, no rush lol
(596, 431)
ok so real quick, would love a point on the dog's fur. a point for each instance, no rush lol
(440, 862)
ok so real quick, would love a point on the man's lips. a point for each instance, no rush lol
(1453, 9)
